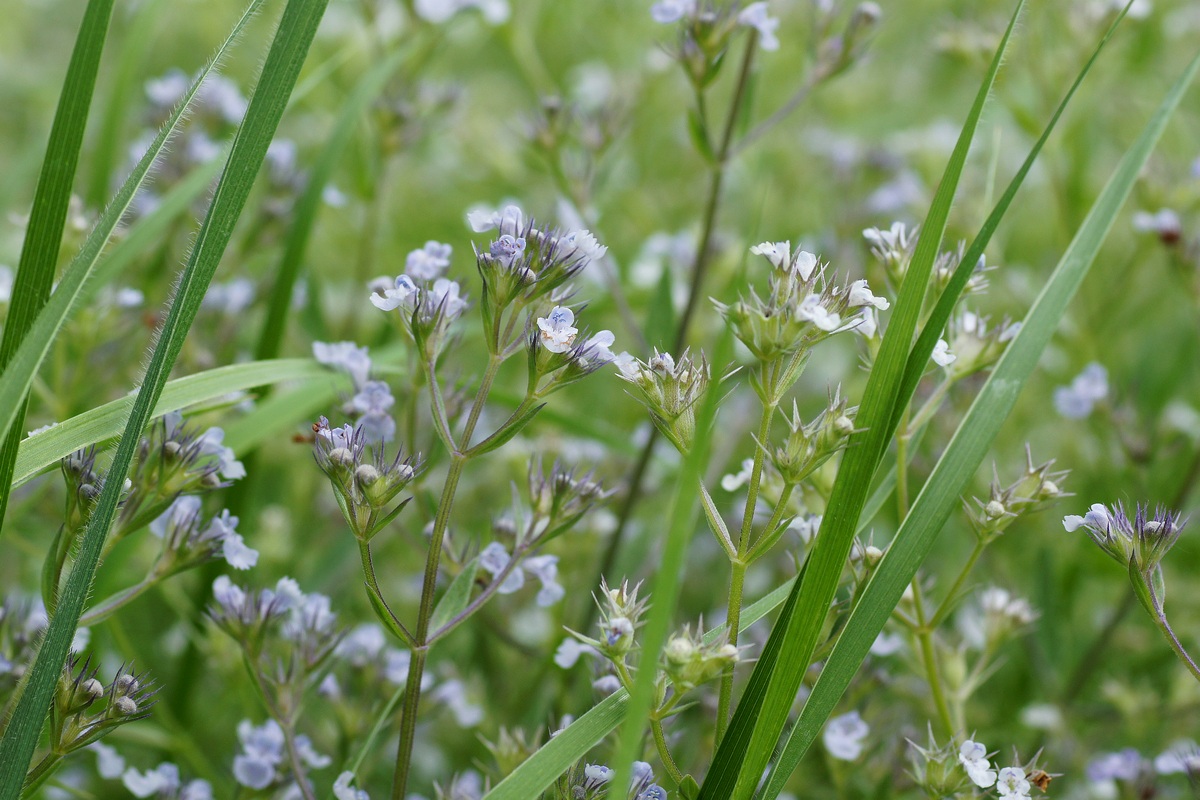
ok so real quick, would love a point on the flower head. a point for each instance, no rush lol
(843, 736)
(973, 757)
(557, 333)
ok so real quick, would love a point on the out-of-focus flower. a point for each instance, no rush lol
(843, 736)
(1088, 388)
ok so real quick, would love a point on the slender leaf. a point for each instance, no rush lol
(21, 370)
(309, 203)
(457, 595)
(760, 717)
(284, 60)
(39, 253)
(104, 423)
(573, 743)
(968, 447)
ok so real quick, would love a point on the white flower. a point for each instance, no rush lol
(806, 263)
(403, 293)
(607, 684)
(732, 482)
(109, 762)
(237, 553)
(569, 651)
(362, 645)
(428, 263)
(444, 295)
(755, 16)
(598, 773)
(1181, 756)
(6, 283)
(807, 526)
(337, 437)
(1012, 783)
(557, 335)
(581, 244)
(860, 295)
(231, 298)
(973, 756)
(181, 512)
(895, 238)
(211, 443)
(1088, 388)
(629, 366)
(545, 569)
(942, 355)
(668, 11)
(342, 790)
(1097, 518)
(164, 779)
(843, 736)
(887, 644)
(598, 348)
(454, 694)
(811, 310)
(345, 356)
(778, 253)
(509, 220)
(868, 324)
(494, 559)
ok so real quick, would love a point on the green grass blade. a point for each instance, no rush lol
(43, 237)
(967, 449)
(106, 151)
(284, 60)
(22, 368)
(105, 423)
(683, 511)
(556, 756)
(309, 203)
(760, 718)
(918, 360)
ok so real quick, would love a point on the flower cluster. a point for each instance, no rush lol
(365, 486)
(689, 660)
(263, 762)
(556, 349)
(801, 308)
(188, 542)
(1138, 543)
(372, 400)
(84, 709)
(810, 445)
(670, 390)
(1036, 489)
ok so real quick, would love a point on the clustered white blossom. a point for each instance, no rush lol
(372, 400)
(843, 736)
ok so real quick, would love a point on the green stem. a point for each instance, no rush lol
(1160, 619)
(943, 610)
(287, 725)
(928, 655)
(737, 580)
(40, 774)
(368, 566)
(664, 754)
(416, 668)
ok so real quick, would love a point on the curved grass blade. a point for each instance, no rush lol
(556, 756)
(309, 203)
(284, 60)
(47, 217)
(760, 718)
(104, 423)
(20, 371)
(967, 449)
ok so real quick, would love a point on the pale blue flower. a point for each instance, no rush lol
(1088, 388)
(557, 334)
(494, 558)
(755, 16)
(843, 736)
(402, 292)
(109, 762)
(454, 694)
(362, 645)
(509, 220)
(507, 249)
(346, 356)
(669, 11)
(232, 297)
(569, 651)
(342, 790)
(545, 569)
(212, 444)
(162, 779)
(429, 262)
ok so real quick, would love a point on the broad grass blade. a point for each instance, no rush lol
(284, 60)
(760, 718)
(47, 217)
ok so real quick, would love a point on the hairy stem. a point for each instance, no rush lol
(924, 635)
(664, 753)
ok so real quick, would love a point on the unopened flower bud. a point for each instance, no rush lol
(124, 706)
(366, 475)
(843, 425)
(92, 688)
(341, 456)
(872, 555)
(126, 684)
(994, 509)
(679, 650)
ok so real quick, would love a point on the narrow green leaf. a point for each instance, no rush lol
(968, 447)
(456, 597)
(918, 360)
(309, 203)
(104, 423)
(284, 60)
(43, 236)
(22, 368)
(760, 717)
(683, 513)
(573, 743)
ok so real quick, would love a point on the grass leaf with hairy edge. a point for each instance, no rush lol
(760, 718)
(288, 50)
(560, 753)
(967, 449)
(21, 370)
(309, 203)
(43, 236)
(104, 423)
